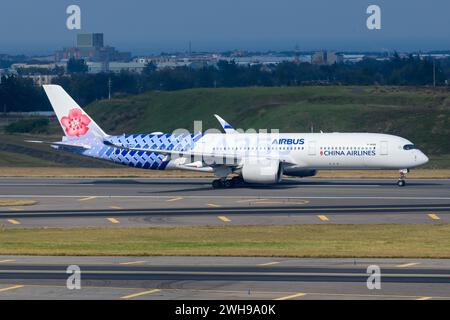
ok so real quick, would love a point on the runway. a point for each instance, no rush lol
(179, 202)
(175, 278)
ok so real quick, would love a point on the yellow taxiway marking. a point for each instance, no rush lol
(213, 205)
(323, 218)
(407, 265)
(297, 295)
(268, 264)
(16, 209)
(87, 198)
(11, 288)
(424, 298)
(134, 295)
(112, 220)
(175, 199)
(224, 219)
(131, 262)
(434, 216)
(12, 221)
(116, 207)
(6, 261)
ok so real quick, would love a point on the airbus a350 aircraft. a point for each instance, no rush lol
(235, 158)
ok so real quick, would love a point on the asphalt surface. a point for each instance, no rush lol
(203, 278)
(178, 202)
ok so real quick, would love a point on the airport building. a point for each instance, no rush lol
(326, 58)
(90, 47)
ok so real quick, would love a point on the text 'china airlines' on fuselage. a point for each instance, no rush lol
(235, 158)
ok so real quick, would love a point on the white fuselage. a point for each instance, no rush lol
(316, 150)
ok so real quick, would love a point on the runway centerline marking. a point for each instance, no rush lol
(175, 199)
(11, 288)
(224, 219)
(424, 298)
(405, 265)
(250, 200)
(12, 221)
(112, 220)
(213, 205)
(88, 198)
(16, 209)
(6, 261)
(297, 295)
(116, 207)
(134, 295)
(132, 262)
(434, 216)
(323, 218)
(268, 264)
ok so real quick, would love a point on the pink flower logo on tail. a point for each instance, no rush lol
(76, 124)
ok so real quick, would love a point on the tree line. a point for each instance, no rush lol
(19, 94)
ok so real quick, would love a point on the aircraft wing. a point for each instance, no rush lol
(225, 125)
(219, 158)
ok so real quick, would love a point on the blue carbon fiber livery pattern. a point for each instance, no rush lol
(136, 159)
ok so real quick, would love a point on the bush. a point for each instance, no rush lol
(29, 126)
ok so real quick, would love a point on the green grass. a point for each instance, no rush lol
(390, 240)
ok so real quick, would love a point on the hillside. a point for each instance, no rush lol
(419, 114)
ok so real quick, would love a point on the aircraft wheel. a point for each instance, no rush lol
(217, 184)
(228, 184)
(401, 183)
(237, 181)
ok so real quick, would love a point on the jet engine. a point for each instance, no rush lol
(262, 171)
(299, 172)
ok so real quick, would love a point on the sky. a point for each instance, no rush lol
(153, 26)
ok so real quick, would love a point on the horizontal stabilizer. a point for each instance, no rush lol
(61, 144)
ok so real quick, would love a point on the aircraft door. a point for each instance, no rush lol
(312, 148)
(384, 148)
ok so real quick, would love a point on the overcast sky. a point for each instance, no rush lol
(152, 26)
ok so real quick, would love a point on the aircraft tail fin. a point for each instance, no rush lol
(74, 121)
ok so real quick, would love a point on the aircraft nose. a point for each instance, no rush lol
(423, 158)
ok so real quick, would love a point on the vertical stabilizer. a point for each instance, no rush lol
(74, 121)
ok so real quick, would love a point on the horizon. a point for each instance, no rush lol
(169, 26)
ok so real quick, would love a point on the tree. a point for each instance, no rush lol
(76, 66)
(149, 69)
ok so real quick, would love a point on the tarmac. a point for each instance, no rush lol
(233, 278)
(95, 202)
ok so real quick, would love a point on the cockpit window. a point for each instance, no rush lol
(409, 147)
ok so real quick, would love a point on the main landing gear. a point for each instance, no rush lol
(402, 180)
(227, 183)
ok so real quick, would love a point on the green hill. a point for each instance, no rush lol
(419, 114)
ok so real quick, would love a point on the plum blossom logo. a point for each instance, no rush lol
(76, 124)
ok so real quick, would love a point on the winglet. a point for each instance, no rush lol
(225, 125)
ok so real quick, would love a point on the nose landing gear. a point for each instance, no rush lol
(402, 180)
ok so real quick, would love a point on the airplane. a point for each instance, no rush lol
(234, 157)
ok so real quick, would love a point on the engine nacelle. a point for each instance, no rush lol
(262, 172)
(299, 172)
